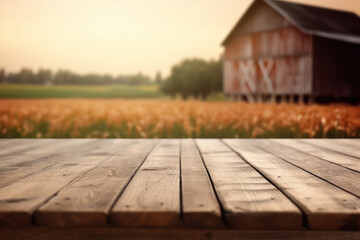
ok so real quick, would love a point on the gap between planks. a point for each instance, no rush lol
(20, 199)
(326, 206)
(87, 200)
(340, 176)
(248, 199)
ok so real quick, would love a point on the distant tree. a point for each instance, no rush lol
(43, 76)
(194, 77)
(215, 77)
(27, 76)
(169, 87)
(158, 78)
(107, 79)
(2, 76)
(65, 77)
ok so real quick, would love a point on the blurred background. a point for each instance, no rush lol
(171, 69)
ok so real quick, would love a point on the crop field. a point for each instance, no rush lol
(93, 118)
(71, 91)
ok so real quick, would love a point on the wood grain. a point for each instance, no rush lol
(6, 143)
(87, 200)
(253, 185)
(334, 157)
(25, 165)
(20, 199)
(334, 146)
(351, 142)
(23, 145)
(54, 148)
(200, 206)
(248, 199)
(41, 233)
(326, 206)
(7, 140)
(152, 198)
(338, 175)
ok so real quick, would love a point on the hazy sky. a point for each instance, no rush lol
(118, 36)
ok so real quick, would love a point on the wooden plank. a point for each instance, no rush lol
(24, 166)
(5, 143)
(351, 142)
(9, 160)
(333, 146)
(41, 233)
(87, 200)
(152, 198)
(20, 199)
(23, 145)
(250, 202)
(337, 175)
(246, 77)
(12, 143)
(326, 206)
(200, 207)
(6, 140)
(334, 157)
(46, 150)
(266, 72)
(58, 146)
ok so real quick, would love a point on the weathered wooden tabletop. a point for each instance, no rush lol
(301, 186)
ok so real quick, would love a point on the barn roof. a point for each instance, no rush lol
(323, 22)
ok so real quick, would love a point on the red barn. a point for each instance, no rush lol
(287, 51)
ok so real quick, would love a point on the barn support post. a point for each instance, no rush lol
(301, 99)
(259, 98)
(311, 99)
(228, 97)
(292, 98)
(273, 98)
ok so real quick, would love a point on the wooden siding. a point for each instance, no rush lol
(266, 57)
(259, 17)
(287, 50)
(335, 71)
(275, 44)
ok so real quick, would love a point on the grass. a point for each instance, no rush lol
(77, 91)
(64, 91)
(80, 91)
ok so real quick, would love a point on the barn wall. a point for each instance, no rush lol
(277, 43)
(266, 55)
(336, 71)
(259, 17)
(287, 53)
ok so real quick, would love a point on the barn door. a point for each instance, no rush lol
(266, 67)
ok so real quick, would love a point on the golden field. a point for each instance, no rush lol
(87, 118)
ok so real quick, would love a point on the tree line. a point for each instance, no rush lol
(194, 77)
(64, 77)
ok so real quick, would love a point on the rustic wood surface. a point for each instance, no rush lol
(42, 233)
(338, 175)
(326, 207)
(88, 199)
(248, 199)
(152, 198)
(200, 206)
(212, 184)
